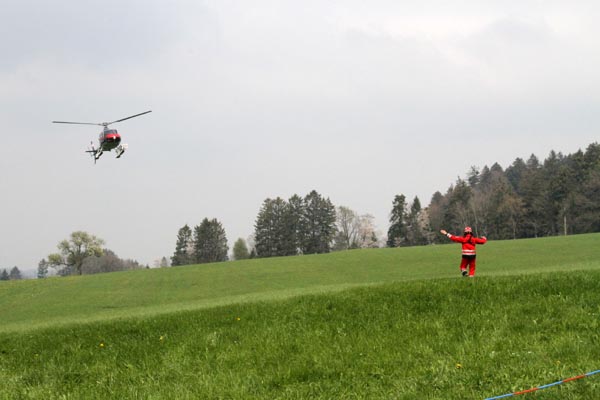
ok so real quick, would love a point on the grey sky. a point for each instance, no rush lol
(254, 99)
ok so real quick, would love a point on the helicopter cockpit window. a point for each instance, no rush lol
(111, 131)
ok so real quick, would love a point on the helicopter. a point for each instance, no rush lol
(108, 140)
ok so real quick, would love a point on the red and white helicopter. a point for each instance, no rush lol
(108, 140)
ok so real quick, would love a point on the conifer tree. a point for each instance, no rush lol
(182, 255)
(295, 225)
(415, 232)
(14, 274)
(264, 231)
(272, 235)
(458, 208)
(397, 230)
(42, 270)
(435, 213)
(320, 227)
(210, 242)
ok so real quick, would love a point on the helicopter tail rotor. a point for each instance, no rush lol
(94, 152)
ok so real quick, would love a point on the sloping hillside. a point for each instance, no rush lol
(422, 339)
(40, 303)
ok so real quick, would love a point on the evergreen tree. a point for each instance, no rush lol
(588, 218)
(554, 192)
(320, 224)
(295, 225)
(272, 234)
(530, 191)
(210, 242)
(240, 250)
(300, 225)
(397, 230)
(473, 176)
(415, 225)
(515, 174)
(588, 206)
(14, 274)
(484, 177)
(4, 275)
(591, 157)
(503, 210)
(580, 207)
(42, 270)
(164, 262)
(182, 255)
(458, 212)
(436, 211)
(264, 231)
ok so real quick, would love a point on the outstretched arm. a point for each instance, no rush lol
(458, 239)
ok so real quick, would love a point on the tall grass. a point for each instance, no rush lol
(429, 339)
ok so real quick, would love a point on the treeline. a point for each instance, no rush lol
(299, 225)
(206, 243)
(10, 275)
(560, 195)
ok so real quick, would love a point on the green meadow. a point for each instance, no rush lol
(361, 324)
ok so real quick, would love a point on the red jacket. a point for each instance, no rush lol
(468, 243)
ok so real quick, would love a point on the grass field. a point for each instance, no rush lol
(366, 324)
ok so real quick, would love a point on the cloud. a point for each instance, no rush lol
(102, 35)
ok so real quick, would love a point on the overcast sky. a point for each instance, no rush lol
(360, 100)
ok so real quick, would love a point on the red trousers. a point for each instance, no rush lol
(468, 262)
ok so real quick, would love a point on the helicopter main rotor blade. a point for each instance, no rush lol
(76, 123)
(133, 116)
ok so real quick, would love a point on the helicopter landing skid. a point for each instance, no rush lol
(121, 149)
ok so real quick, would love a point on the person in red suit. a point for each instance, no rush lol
(468, 249)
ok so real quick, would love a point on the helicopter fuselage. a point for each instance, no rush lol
(109, 139)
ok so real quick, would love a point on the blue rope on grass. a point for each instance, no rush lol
(544, 386)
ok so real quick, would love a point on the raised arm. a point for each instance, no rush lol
(457, 239)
